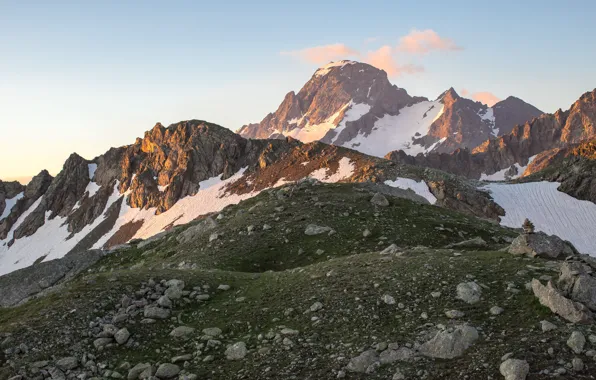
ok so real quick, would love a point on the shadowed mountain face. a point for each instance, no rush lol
(354, 105)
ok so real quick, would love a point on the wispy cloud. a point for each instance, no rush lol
(425, 41)
(323, 54)
(384, 59)
(483, 97)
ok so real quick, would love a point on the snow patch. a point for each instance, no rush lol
(419, 188)
(48, 242)
(345, 170)
(10, 203)
(551, 211)
(355, 112)
(393, 132)
(316, 132)
(489, 116)
(327, 68)
(501, 174)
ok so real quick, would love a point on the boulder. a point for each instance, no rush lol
(449, 345)
(514, 369)
(379, 200)
(542, 245)
(469, 292)
(363, 363)
(576, 342)
(182, 332)
(155, 312)
(167, 371)
(68, 363)
(135, 372)
(122, 336)
(577, 282)
(313, 229)
(236, 351)
(552, 298)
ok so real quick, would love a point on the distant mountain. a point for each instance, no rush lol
(522, 151)
(353, 104)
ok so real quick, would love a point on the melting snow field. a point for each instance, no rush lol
(345, 170)
(10, 204)
(500, 175)
(395, 132)
(49, 241)
(551, 211)
(419, 188)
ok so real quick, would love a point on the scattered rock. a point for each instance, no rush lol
(379, 200)
(446, 345)
(155, 312)
(167, 371)
(496, 310)
(453, 314)
(313, 229)
(182, 332)
(547, 326)
(392, 249)
(363, 363)
(122, 336)
(236, 351)
(212, 331)
(136, 371)
(576, 342)
(469, 292)
(514, 369)
(68, 363)
(389, 300)
(550, 297)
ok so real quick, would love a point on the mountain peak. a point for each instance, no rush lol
(449, 96)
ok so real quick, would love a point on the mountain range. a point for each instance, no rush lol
(348, 124)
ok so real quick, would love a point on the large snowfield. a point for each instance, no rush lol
(396, 132)
(551, 211)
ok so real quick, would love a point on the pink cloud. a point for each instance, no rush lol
(464, 92)
(425, 41)
(487, 98)
(384, 59)
(323, 54)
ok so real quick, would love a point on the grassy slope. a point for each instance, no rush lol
(349, 279)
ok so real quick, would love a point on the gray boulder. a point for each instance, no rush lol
(379, 200)
(542, 245)
(155, 312)
(514, 369)
(449, 345)
(363, 363)
(122, 336)
(550, 297)
(182, 332)
(236, 351)
(469, 292)
(167, 371)
(136, 371)
(576, 342)
(313, 229)
(67, 364)
(577, 282)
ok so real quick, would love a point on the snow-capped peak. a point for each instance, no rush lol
(324, 70)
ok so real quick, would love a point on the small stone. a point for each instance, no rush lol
(316, 306)
(167, 371)
(453, 314)
(182, 332)
(122, 336)
(469, 292)
(366, 233)
(237, 351)
(101, 342)
(547, 326)
(363, 362)
(223, 287)
(577, 364)
(155, 312)
(387, 299)
(379, 200)
(164, 301)
(496, 310)
(136, 371)
(182, 358)
(212, 331)
(68, 363)
(576, 342)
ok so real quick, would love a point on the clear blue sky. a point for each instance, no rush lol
(84, 76)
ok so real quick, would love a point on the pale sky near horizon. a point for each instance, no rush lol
(85, 76)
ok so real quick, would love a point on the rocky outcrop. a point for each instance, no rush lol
(31, 193)
(22, 284)
(449, 345)
(552, 298)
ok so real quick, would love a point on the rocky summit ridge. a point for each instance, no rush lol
(353, 104)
